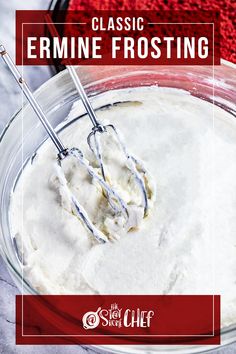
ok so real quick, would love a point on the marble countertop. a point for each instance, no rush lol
(11, 100)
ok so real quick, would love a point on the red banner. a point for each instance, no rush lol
(118, 319)
(118, 37)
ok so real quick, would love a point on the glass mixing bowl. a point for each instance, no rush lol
(24, 134)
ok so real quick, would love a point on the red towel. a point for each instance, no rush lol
(227, 10)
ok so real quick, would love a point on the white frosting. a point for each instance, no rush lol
(187, 245)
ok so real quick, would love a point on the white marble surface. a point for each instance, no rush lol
(10, 100)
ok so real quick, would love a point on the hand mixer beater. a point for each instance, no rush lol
(135, 167)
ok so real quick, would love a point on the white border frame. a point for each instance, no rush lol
(22, 275)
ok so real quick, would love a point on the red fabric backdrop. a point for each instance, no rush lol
(227, 10)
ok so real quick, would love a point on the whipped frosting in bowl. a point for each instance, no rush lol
(187, 243)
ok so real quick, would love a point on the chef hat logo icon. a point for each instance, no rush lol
(91, 319)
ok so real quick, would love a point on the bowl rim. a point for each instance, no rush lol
(14, 271)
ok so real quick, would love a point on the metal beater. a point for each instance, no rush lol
(137, 170)
(135, 167)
